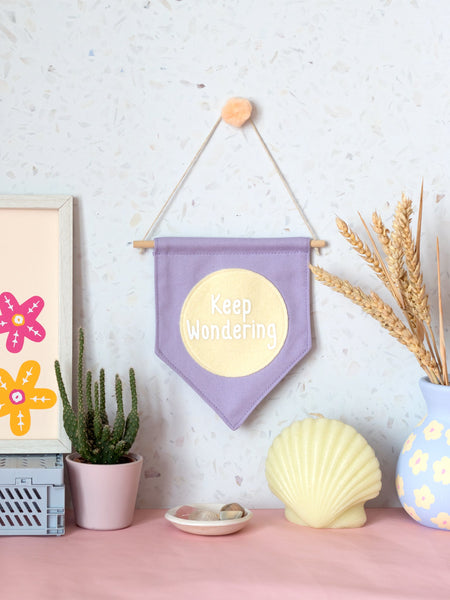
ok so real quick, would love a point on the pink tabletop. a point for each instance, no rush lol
(391, 557)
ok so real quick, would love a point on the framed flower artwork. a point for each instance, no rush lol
(35, 320)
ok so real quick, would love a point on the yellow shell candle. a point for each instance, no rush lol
(323, 471)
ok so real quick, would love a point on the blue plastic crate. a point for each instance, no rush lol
(32, 494)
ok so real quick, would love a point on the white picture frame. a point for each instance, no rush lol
(49, 221)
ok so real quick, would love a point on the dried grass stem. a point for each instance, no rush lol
(400, 271)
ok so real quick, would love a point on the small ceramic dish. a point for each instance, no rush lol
(208, 527)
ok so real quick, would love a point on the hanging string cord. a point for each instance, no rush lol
(283, 179)
(182, 178)
(194, 160)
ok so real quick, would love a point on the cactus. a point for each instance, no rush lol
(89, 430)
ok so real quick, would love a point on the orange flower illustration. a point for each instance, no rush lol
(18, 397)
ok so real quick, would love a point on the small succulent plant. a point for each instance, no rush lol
(88, 428)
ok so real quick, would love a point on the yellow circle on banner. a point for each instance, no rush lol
(234, 322)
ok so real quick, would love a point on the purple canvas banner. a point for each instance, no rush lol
(232, 316)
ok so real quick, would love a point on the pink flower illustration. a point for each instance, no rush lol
(19, 320)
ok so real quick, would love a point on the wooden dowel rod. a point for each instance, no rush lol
(151, 244)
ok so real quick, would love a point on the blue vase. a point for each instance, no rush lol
(423, 468)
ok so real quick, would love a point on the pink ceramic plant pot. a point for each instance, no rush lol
(104, 496)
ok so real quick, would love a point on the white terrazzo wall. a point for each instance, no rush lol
(109, 101)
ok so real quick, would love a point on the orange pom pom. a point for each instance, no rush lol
(237, 111)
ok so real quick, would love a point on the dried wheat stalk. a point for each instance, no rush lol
(395, 253)
(382, 232)
(441, 320)
(363, 249)
(400, 271)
